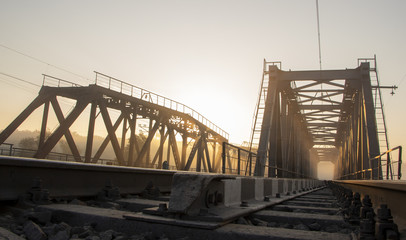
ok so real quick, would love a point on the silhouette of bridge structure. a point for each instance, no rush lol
(302, 117)
(168, 120)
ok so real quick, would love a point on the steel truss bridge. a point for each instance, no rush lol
(167, 119)
(302, 117)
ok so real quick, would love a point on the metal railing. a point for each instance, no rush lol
(240, 161)
(117, 85)
(367, 174)
(8, 150)
(237, 160)
(57, 82)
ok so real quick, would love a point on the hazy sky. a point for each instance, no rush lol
(205, 54)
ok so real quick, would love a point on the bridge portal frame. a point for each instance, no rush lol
(294, 129)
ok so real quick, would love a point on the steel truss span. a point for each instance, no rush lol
(304, 117)
(191, 141)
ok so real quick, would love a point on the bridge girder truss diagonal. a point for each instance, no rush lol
(312, 116)
(191, 144)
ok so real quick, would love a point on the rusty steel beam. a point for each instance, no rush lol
(36, 103)
(111, 133)
(106, 140)
(68, 135)
(50, 143)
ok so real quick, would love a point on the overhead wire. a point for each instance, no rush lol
(319, 45)
(17, 84)
(20, 79)
(318, 31)
(44, 62)
(401, 80)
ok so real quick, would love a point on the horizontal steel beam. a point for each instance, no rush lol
(319, 90)
(322, 124)
(325, 143)
(317, 75)
(320, 107)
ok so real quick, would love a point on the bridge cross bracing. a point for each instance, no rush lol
(187, 140)
(304, 117)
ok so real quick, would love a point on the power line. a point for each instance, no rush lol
(401, 80)
(19, 79)
(17, 84)
(41, 61)
(318, 30)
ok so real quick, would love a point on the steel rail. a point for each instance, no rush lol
(67, 179)
(380, 192)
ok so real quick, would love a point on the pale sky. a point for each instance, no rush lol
(205, 54)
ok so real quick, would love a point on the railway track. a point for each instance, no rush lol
(127, 203)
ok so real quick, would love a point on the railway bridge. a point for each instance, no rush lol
(301, 118)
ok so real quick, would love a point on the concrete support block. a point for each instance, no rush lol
(259, 189)
(299, 184)
(275, 186)
(303, 184)
(290, 185)
(232, 192)
(270, 186)
(282, 186)
(295, 183)
(247, 188)
(308, 185)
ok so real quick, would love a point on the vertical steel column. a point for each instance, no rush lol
(284, 133)
(291, 142)
(175, 151)
(215, 160)
(184, 148)
(274, 154)
(44, 125)
(268, 119)
(90, 133)
(148, 149)
(206, 152)
(133, 142)
(161, 148)
(124, 134)
(223, 154)
(239, 162)
(373, 143)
